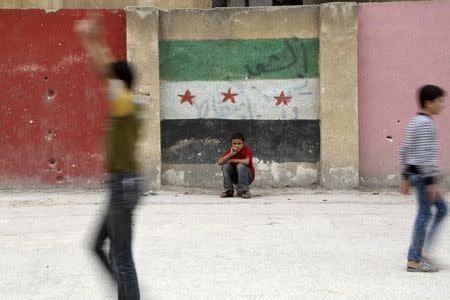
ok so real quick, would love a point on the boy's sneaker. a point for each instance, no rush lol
(227, 194)
(428, 258)
(245, 194)
(421, 266)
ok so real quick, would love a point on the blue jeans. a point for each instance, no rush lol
(238, 174)
(117, 226)
(424, 215)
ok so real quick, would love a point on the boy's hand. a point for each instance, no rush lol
(404, 187)
(88, 27)
(233, 151)
(433, 193)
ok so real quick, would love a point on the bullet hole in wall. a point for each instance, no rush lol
(50, 94)
(52, 163)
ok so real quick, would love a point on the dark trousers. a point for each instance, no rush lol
(117, 226)
(238, 174)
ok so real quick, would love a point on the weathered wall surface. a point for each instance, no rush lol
(96, 4)
(52, 108)
(254, 70)
(249, 70)
(339, 95)
(402, 46)
(142, 52)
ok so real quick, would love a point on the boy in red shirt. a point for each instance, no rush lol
(237, 168)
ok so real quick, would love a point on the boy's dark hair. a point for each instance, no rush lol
(237, 136)
(429, 92)
(122, 70)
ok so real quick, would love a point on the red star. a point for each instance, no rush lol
(229, 96)
(187, 97)
(282, 99)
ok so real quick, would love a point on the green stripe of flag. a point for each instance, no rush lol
(187, 60)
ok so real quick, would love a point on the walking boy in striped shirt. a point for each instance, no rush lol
(419, 166)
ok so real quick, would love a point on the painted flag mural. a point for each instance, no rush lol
(268, 89)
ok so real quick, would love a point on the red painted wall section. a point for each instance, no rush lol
(53, 108)
(402, 46)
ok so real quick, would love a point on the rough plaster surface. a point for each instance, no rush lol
(240, 23)
(268, 174)
(53, 106)
(142, 48)
(343, 177)
(391, 180)
(339, 95)
(402, 46)
(142, 52)
(95, 4)
(254, 98)
(236, 23)
(172, 4)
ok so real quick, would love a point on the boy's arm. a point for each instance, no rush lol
(404, 184)
(403, 152)
(99, 54)
(247, 152)
(244, 161)
(226, 158)
(429, 170)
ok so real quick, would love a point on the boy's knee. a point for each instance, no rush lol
(424, 218)
(227, 168)
(241, 167)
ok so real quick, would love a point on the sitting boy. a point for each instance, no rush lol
(237, 168)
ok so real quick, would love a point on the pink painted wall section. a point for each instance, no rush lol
(52, 105)
(401, 47)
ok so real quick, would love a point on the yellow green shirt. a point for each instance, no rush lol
(122, 129)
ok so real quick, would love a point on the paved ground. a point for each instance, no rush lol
(306, 245)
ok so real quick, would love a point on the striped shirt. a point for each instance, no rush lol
(419, 152)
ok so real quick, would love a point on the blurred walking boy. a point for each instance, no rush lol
(122, 134)
(419, 167)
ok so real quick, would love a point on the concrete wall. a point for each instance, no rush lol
(318, 2)
(95, 4)
(339, 95)
(255, 70)
(241, 3)
(52, 109)
(401, 47)
(52, 114)
(252, 57)
(142, 52)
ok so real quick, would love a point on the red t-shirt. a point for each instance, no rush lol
(245, 152)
